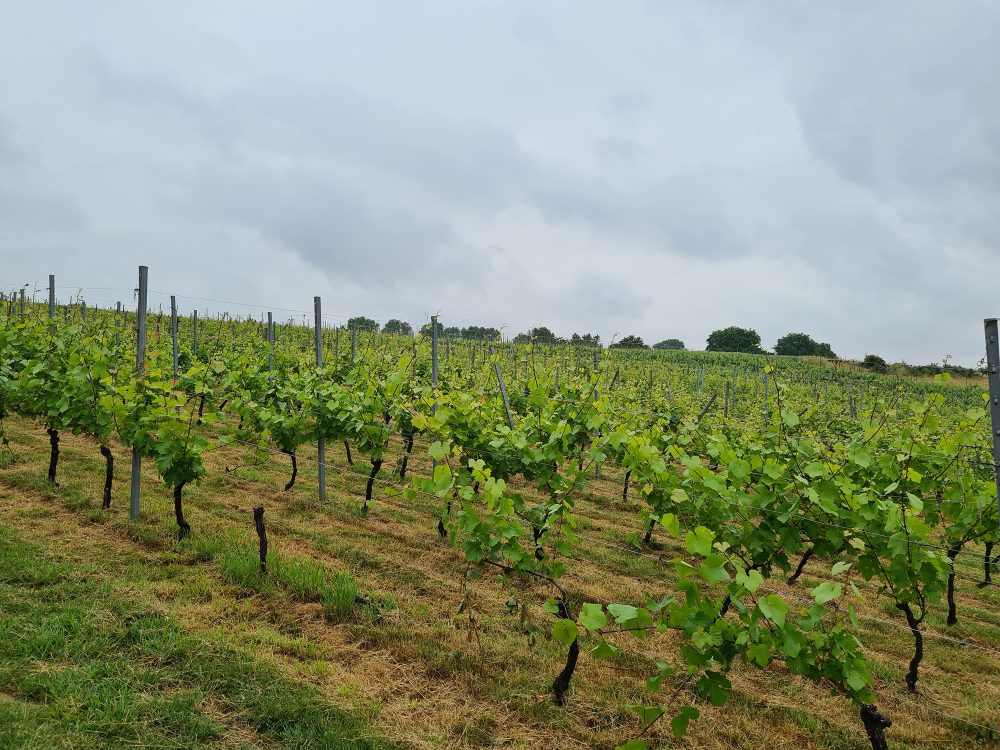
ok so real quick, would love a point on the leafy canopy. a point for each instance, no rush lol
(670, 344)
(630, 342)
(734, 339)
(396, 327)
(802, 345)
(361, 323)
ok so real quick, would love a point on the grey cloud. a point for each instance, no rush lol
(625, 103)
(470, 162)
(614, 147)
(901, 99)
(475, 165)
(327, 223)
(852, 149)
(27, 201)
(602, 296)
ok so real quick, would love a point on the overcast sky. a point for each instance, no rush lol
(657, 168)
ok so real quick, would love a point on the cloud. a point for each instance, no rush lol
(329, 224)
(899, 98)
(656, 169)
(27, 201)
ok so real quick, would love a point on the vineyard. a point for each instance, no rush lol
(359, 539)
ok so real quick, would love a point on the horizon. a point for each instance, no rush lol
(656, 170)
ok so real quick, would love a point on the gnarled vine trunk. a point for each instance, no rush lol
(350, 459)
(376, 465)
(53, 453)
(109, 475)
(875, 725)
(988, 563)
(648, 538)
(295, 469)
(183, 527)
(536, 532)
(258, 522)
(561, 683)
(407, 448)
(952, 610)
(801, 566)
(918, 645)
(628, 475)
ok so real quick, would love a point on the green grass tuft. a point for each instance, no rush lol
(82, 666)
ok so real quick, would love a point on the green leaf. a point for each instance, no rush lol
(715, 686)
(713, 569)
(699, 541)
(671, 524)
(623, 612)
(633, 745)
(855, 680)
(750, 580)
(679, 724)
(827, 591)
(564, 630)
(739, 468)
(840, 567)
(773, 607)
(592, 617)
(813, 470)
(647, 714)
(604, 650)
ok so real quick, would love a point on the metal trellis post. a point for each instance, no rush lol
(173, 330)
(140, 367)
(993, 377)
(320, 447)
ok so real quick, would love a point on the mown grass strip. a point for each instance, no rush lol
(83, 668)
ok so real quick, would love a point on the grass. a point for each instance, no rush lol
(412, 668)
(81, 667)
(304, 580)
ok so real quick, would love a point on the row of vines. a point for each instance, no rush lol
(896, 498)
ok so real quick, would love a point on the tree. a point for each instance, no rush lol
(875, 363)
(630, 342)
(397, 328)
(425, 329)
(735, 339)
(453, 332)
(824, 350)
(539, 334)
(361, 323)
(481, 333)
(802, 345)
(669, 344)
(586, 339)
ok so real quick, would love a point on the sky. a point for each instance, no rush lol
(637, 167)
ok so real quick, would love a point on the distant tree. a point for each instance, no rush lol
(802, 345)
(585, 340)
(669, 344)
(481, 333)
(539, 334)
(734, 339)
(453, 332)
(874, 363)
(630, 342)
(398, 328)
(425, 329)
(361, 323)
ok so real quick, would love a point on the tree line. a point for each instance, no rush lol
(730, 339)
